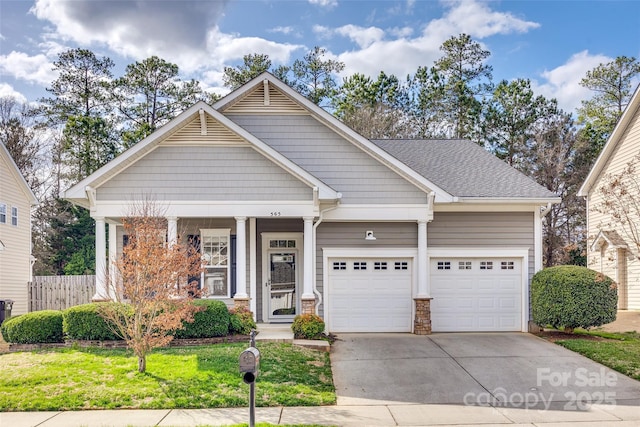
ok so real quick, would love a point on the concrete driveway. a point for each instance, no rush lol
(515, 370)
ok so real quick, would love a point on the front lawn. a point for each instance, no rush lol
(618, 351)
(181, 377)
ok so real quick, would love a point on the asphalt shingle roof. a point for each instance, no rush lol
(463, 168)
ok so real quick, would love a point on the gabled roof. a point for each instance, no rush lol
(611, 144)
(15, 172)
(609, 238)
(78, 195)
(466, 170)
(337, 126)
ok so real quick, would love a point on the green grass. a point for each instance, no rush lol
(618, 351)
(185, 377)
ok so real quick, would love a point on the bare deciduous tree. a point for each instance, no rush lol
(621, 202)
(152, 283)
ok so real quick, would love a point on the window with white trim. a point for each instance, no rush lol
(360, 265)
(215, 250)
(14, 216)
(486, 265)
(444, 265)
(3, 213)
(507, 265)
(339, 265)
(464, 265)
(380, 265)
(401, 265)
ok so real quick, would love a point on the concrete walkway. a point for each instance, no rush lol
(380, 415)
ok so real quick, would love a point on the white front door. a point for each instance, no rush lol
(281, 273)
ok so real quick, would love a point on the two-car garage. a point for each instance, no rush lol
(470, 293)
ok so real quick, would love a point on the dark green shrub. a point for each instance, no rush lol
(570, 296)
(241, 321)
(33, 328)
(212, 321)
(307, 326)
(84, 322)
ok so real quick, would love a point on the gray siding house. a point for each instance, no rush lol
(294, 212)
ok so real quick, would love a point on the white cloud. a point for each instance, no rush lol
(282, 30)
(184, 32)
(7, 90)
(324, 3)
(563, 82)
(363, 37)
(403, 55)
(35, 69)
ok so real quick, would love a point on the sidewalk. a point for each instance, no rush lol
(621, 415)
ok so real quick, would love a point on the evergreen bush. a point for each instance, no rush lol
(84, 322)
(571, 296)
(212, 321)
(307, 326)
(33, 328)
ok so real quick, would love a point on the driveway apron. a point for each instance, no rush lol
(512, 370)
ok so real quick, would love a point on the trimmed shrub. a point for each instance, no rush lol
(307, 326)
(571, 296)
(84, 322)
(33, 328)
(212, 321)
(241, 321)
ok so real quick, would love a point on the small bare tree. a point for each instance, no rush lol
(151, 285)
(621, 202)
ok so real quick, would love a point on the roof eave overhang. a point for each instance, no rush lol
(509, 200)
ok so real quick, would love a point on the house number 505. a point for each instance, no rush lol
(276, 213)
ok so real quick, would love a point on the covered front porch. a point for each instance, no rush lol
(264, 264)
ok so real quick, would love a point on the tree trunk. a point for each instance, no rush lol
(142, 364)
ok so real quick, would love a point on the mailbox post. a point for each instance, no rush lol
(249, 367)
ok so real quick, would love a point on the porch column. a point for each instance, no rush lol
(422, 259)
(172, 230)
(113, 255)
(101, 256)
(241, 298)
(308, 297)
(422, 319)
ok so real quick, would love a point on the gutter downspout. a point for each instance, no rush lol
(315, 264)
(545, 210)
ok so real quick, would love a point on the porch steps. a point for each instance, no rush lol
(281, 332)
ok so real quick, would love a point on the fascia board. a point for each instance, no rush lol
(611, 144)
(509, 200)
(15, 172)
(339, 127)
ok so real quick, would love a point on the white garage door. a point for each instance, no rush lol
(369, 295)
(476, 294)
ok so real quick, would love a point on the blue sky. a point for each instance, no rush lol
(553, 43)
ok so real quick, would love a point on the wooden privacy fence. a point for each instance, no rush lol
(60, 292)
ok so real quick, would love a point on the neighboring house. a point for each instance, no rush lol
(16, 199)
(294, 212)
(610, 250)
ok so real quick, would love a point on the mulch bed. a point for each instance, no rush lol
(553, 336)
(121, 344)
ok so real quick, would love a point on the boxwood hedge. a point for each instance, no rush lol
(571, 296)
(83, 322)
(35, 327)
(212, 321)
